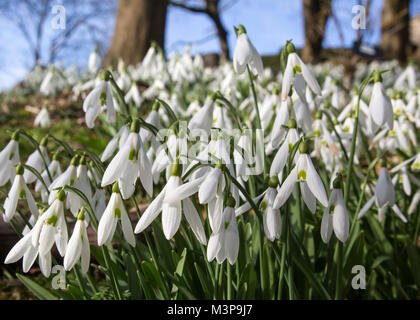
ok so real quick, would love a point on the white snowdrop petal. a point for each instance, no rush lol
(286, 189)
(193, 218)
(171, 218)
(315, 184)
(152, 211)
(208, 188)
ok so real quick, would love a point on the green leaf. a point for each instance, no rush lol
(169, 111)
(180, 267)
(377, 262)
(310, 275)
(204, 281)
(379, 234)
(36, 289)
(132, 278)
(75, 292)
(414, 260)
(151, 273)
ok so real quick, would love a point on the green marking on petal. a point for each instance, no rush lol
(297, 69)
(22, 194)
(132, 156)
(117, 213)
(263, 205)
(103, 98)
(227, 224)
(302, 175)
(52, 220)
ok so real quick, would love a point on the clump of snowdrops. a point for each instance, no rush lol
(252, 185)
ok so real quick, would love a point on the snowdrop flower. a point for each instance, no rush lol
(380, 108)
(409, 76)
(384, 196)
(78, 246)
(115, 211)
(283, 152)
(243, 156)
(172, 201)
(48, 85)
(335, 215)
(221, 119)
(19, 190)
(94, 61)
(9, 158)
(35, 160)
(81, 183)
(415, 166)
(311, 185)
(352, 107)
(117, 141)
(153, 119)
(323, 139)
(403, 176)
(50, 228)
(282, 118)
(295, 67)
(98, 99)
(55, 170)
(134, 95)
(271, 216)
(43, 119)
(68, 177)
(246, 54)
(210, 185)
(130, 162)
(224, 243)
(123, 80)
(23, 249)
(203, 118)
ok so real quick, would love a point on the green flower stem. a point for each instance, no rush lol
(120, 94)
(229, 281)
(36, 145)
(257, 111)
(80, 282)
(338, 293)
(114, 282)
(301, 216)
(339, 282)
(289, 257)
(146, 235)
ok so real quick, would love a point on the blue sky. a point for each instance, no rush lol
(269, 24)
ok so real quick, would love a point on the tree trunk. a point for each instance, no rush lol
(213, 12)
(138, 23)
(315, 14)
(395, 29)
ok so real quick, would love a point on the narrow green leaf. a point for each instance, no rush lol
(36, 289)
